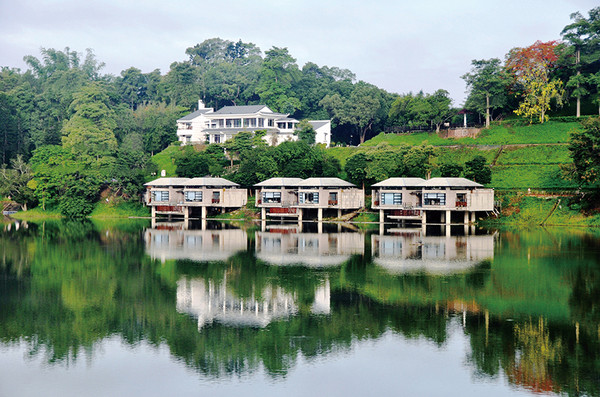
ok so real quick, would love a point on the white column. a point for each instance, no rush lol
(448, 217)
(320, 214)
(424, 217)
(186, 213)
(339, 213)
(153, 211)
(473, 217)
(466, 221)
(263, 213)
(381, 216)
(203, 215)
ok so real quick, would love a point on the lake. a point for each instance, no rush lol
(167, 308)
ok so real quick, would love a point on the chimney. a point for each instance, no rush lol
(201, 104)
(163, 173)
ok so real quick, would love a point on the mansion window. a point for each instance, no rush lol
(233, 123)
(434, 198)
(160, 195)
(261, 122)
(193, 196)
(391, 198)
(271, 122)
(271, 197)
(249, 122)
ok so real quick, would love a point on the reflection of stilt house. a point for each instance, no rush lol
(198, 245)
(398, 198)
(278, 197)
(308, 249)
(431, 254)
(185, 196)
(332, 195)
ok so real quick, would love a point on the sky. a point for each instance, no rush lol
(400, 46)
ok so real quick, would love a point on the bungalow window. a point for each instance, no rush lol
(290, 126)
(309, 198)
(333, 198)
(434, 198)
(391, 198)
(193, 196)
(217, 139)
(216, 197)
(160, 195)
(271, 197)
(281, 126)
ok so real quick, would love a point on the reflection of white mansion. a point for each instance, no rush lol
(207, 125)
(212, 301)
(414, 252)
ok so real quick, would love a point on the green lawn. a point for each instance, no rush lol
(534, 176)
(164, 160)
(550, 132)
(547, 154)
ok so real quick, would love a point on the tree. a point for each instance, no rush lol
(486, 86)
(530, 69)
(583, 35)
(14, 182)
(191, 163)
(89, 132)
(477, 170)
(451, 170)
(306, 132)
(584, 146)
(364, 107)
(276, 77)
(356, 168)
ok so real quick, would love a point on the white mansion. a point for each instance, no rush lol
(206, 125)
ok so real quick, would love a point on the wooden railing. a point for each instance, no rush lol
(460, 204)
(406, 213)
(216, 201)
(332, 202)
(168, 208)
(276, 210)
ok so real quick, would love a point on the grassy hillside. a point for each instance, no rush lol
(164, 160)
(550, 132)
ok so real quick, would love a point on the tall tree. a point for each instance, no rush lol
(583, 35)
(485, 86)
(530, 68)
(89, 132)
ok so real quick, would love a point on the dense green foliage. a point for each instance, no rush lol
(83, 132)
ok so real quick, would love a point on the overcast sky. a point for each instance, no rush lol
(399, 45)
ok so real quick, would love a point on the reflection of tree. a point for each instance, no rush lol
(535, 354)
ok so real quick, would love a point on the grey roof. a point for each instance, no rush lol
(286, 119)
(327, 182)
(450, 182)
(400, 182)
(280, 182)
(195, 114)
(248, 109)
(209, 181)
(168, 182)
(319, 123)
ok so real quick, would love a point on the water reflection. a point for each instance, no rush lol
(410, 250)
(210, 301)
(278, 247)
(526, 304)
(175, 241)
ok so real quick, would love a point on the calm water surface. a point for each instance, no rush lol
(169, 308)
